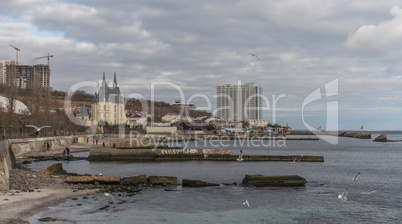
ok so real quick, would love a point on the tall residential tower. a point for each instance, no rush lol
(239, 103)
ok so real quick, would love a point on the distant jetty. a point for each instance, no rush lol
(115, 154)
(359, 135)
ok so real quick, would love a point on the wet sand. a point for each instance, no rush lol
(15, 206)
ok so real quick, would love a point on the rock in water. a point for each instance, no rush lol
(263, 181)
(197, 183)
(54, 169)
(381, 138)
(162, 180)
(140, 179)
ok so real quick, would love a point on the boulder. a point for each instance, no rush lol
(197, 183)
(140, 179)
(54, 169)
(381, 138)
(263, 181)
(162, 180)
(365, 136)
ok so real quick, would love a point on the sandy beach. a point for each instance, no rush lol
(19, 204)
(15, 205)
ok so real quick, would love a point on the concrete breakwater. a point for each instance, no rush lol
(108, 154)
(360, 135)
(264, 181)
(253, 180)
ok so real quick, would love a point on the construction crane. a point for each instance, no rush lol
(48, 56)
(16, 53)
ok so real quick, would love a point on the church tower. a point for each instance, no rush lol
(108, 105)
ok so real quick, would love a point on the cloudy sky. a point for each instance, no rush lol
(196, 45)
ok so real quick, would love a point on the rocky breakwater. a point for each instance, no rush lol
(197, 183)
(360, 135)
(264, 181)
(384, 138)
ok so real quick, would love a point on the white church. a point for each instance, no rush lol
(108, 105)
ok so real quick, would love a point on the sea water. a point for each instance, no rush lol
(379, 164)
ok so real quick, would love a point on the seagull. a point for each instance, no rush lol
(240, 159)
(343, 195)
(206, 154)
(294, 160)
(368, 192)
(109, 195)
(99, 174)
(355, 178)
(254, 55)
(318, 128)
(246, 203)
(361, 127)
(37, 129)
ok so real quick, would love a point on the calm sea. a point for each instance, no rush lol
(379, 164)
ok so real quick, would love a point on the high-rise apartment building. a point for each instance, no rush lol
(41, 76)
(24, 76)
(239, 103)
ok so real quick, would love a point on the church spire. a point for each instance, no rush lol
(114, 80)
(104, 80)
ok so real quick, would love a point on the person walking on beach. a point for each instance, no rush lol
(96, 141)
(68, 151)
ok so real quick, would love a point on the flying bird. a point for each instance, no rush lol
(361, 127)
(343, 195)
(37, 129)
(254, 55)
(109, 195)
(355, 178)
(318, 128)
(240, 159)
(368, 192)
(246, 203)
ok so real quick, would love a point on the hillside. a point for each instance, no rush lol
(57, 100)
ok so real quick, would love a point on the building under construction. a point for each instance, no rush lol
(24, 76)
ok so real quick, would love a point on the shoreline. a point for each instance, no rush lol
(17, 206)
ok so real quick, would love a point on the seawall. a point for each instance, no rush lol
(166, 155)
(16, 148)
(7, 162)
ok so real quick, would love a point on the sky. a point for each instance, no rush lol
(329, 63)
